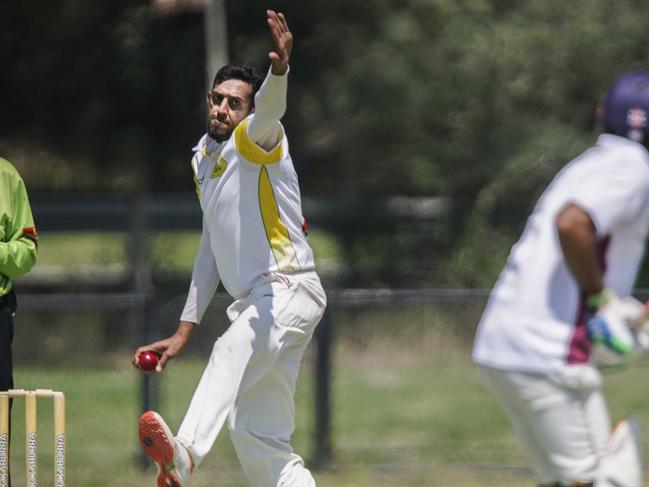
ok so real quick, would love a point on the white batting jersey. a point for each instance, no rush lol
(535, 319)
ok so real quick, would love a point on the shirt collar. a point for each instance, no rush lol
(610, 140)
(207, 145)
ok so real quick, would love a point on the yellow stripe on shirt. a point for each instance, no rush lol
(194, 164)
(251, 151)
(276, 231)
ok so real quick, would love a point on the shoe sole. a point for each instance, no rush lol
(166, 478)
(157, 442)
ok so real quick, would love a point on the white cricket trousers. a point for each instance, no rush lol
(561, 418)
(250, 380)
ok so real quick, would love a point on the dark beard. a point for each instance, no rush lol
(216, 135)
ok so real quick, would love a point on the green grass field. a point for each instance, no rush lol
(169, 251)
(408, 406)
(397, 421)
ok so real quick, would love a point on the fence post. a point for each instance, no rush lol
(143, 288)
(322, 451)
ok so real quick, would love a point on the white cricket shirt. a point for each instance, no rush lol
(252, 214)
(534, 319)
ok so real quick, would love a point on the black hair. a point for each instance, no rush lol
(244, 72)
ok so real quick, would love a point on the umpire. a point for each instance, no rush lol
(17, 256)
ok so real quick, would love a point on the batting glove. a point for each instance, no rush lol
(612, 320)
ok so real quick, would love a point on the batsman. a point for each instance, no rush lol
(254, 243)
(565, 294)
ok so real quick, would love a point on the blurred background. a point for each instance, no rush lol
(422, 131)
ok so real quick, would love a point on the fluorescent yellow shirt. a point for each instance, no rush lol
(17, 232)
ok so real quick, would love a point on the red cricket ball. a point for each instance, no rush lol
(147, 361)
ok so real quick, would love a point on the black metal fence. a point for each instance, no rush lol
(76, 330)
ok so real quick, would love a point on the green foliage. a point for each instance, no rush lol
(480, 101)
(502, 206)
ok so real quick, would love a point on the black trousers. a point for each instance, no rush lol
(7, 309)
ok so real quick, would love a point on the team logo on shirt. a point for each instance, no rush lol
(219, 168)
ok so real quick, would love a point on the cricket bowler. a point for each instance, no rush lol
(254, 243)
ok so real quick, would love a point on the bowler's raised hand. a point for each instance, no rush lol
(283, 40)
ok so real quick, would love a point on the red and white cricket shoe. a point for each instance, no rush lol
(175, 464)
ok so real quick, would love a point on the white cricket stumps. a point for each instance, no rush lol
(31, 426)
